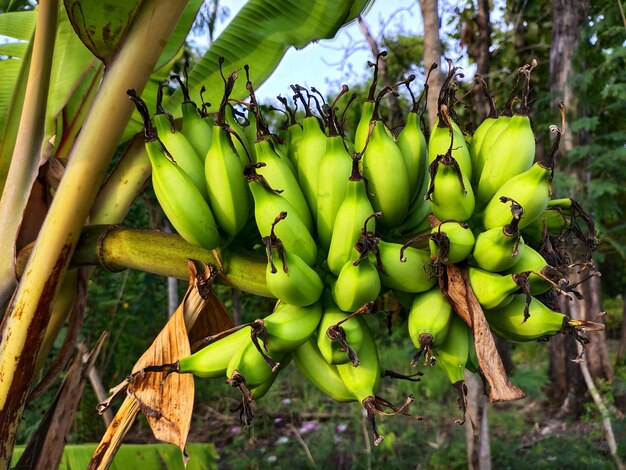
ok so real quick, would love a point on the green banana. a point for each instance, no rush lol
(412, 144)
(451, 242)
(228, 191)
(450, 194)
(178, 196)
(196, 129)
(334, 170)
(386, 173)
(509, 322)
(429, 321)
(531, 189)
(452, 356)
(491, 135)
(347, 228)
(500, 248)
(333, 173)
(356, 285)
(540, 272)
(212, 360)
(481, 131)
(511, 154)
(249, 362)
(293, 281)
(267, 204)
(448, 137)
(452, 353)
(260, 391)
(179, 147)
(309, 154)
(289, 326)
(362, 133)
(279, 175)
(493, 290)
(339, 335)
(407, 269)
(320, 373)
(243, 148)
(363, 381)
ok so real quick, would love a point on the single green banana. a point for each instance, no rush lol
(267, 205)
(247, 361)
(332, 186)
(290, 279)
(181, 150)
(509, 322)
(407, 270)
(228, 191)
(320, 373)
(339, 335)
(386, 173)
(243, 148)
(493, 290)
(450, 193)
(498, 249)
(348, 225)
(363, 381)
(356, 285)
(429, 321)
(310, 152)
(196, 129)
(289, 326)
(279, 175)
(447, 135)
(260, 391)
(212, 360)
(412, 144)
(453, 352)
(451, 242)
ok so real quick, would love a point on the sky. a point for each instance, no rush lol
(328, 63)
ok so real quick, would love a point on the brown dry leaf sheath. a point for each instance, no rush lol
(459, 292)
(167, 404)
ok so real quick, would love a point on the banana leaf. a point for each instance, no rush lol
(77, 456)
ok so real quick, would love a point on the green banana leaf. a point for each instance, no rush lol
(138, 456)
(259, 36)
(18, 25)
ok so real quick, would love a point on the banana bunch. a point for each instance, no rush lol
(345, 220)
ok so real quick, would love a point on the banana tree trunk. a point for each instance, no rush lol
(29, 311)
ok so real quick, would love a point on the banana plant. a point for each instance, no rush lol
(63, 115)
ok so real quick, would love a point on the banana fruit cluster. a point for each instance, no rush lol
(341, 223)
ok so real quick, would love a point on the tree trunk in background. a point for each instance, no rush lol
(478, 450)
(568, 386)
(432, 54)
(396, 119)
(479, 52)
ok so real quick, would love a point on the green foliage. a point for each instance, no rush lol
(202, 456)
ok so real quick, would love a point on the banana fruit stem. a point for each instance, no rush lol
(119, 248)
